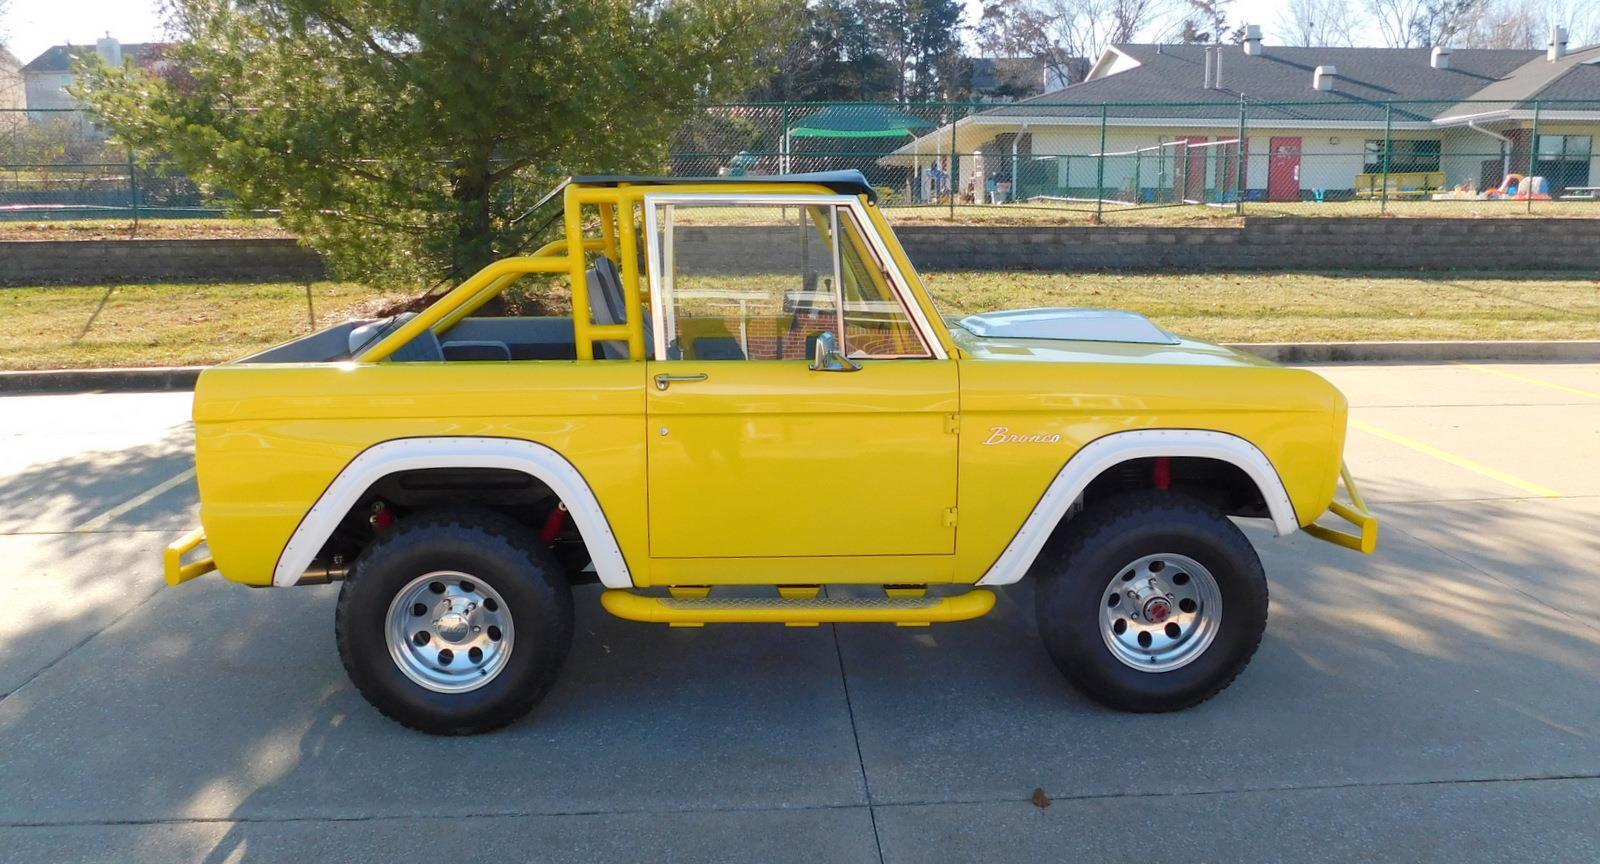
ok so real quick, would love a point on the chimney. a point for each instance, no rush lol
(1558, 44)
(1441, 57)
(110, 51)
(1216, 72)
(1252, 40)
(1322, 78)
(1206, 81)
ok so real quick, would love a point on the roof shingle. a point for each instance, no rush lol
(1169, 83)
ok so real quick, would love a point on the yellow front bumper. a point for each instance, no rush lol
(1365, 540)
(179, 572)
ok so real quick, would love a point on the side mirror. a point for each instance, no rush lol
(828, 358)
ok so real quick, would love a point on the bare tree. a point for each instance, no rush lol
(1421, 23)
(1580, 17)
(1395, 20)
(1442, 21)
(1060, 31)
(1508, 24)
(1319, 22)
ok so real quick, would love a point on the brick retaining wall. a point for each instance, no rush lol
(91, 262)
(1262, 244)
(1267, 244)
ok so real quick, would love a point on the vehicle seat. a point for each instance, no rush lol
(422, 349)
(609, 300)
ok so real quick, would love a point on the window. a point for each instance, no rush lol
(1554, 148)
(738, 281)
(876, 323)
(1405, 157)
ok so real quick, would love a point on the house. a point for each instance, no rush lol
(1010, 78)
(48, 77)
(1314, 121)
(11, 93)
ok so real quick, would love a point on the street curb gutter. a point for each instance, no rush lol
(183, 377)
(1564, 351)
(100, 380)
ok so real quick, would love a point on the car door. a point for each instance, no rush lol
(754, 454)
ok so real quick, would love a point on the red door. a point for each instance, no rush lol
(1283, 170)
(1193, 187)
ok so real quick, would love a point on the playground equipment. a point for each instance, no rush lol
(1519, 188)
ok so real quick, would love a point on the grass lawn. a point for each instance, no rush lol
(1301, 307)
(146, 229)
(1026, 213)
(1191, 215)
(153, 325)
(162, 325)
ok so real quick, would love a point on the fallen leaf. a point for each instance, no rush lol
(1040, 799)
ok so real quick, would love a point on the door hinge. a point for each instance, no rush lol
(950, 517)
(952, 424)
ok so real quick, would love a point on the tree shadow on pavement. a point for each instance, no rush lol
(61, 494)
(217, 704)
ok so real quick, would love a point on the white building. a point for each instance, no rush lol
(1314, 122)
(48, 77)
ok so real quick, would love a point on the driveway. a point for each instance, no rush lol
(1438, 701)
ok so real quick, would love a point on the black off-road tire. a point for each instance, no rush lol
(497, 551)
(1075, 570)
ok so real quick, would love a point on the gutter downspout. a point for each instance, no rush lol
(1014, 139)
(1506, 145)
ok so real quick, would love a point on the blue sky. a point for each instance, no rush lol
(30, 26)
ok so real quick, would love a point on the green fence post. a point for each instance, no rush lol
(1533, 157)
(133, 187)
(1388, 127)
(1100, 169)
(1238, 164)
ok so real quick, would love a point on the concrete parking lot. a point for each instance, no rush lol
(1438, 701)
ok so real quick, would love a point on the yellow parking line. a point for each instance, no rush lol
(1458, 461)
(1579, 391)
(139, 500)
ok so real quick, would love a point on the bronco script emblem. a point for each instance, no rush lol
(1002, 435)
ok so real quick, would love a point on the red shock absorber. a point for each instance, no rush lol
(1162, 473)
(553, 524)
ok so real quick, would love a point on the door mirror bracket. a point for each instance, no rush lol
(827, 357)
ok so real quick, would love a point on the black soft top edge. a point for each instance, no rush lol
(843, 182)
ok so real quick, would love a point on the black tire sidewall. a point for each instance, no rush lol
(1071, 600)
(536, 599)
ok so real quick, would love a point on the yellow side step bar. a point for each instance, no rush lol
(179, 572)
(692, 611)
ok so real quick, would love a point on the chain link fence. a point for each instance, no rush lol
(58, 164)
(1312, 158)
(1024, 161)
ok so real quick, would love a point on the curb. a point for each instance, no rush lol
(100, 380)
(183, 377)
(1575, 350)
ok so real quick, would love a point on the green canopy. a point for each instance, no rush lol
(858, 121)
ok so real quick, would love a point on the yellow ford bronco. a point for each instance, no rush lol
(754, 413)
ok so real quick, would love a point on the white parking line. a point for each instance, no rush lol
(139, 500)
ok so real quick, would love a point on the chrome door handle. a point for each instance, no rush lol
(663, 381)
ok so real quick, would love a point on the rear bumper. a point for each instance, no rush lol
(1365, 538)
(178, 572)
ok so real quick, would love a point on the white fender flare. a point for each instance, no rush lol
(1103, 453)
(410, 454)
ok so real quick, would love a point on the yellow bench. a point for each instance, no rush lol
(1410, 184)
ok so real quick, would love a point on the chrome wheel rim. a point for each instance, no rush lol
(449, 632)
(1160, 612)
